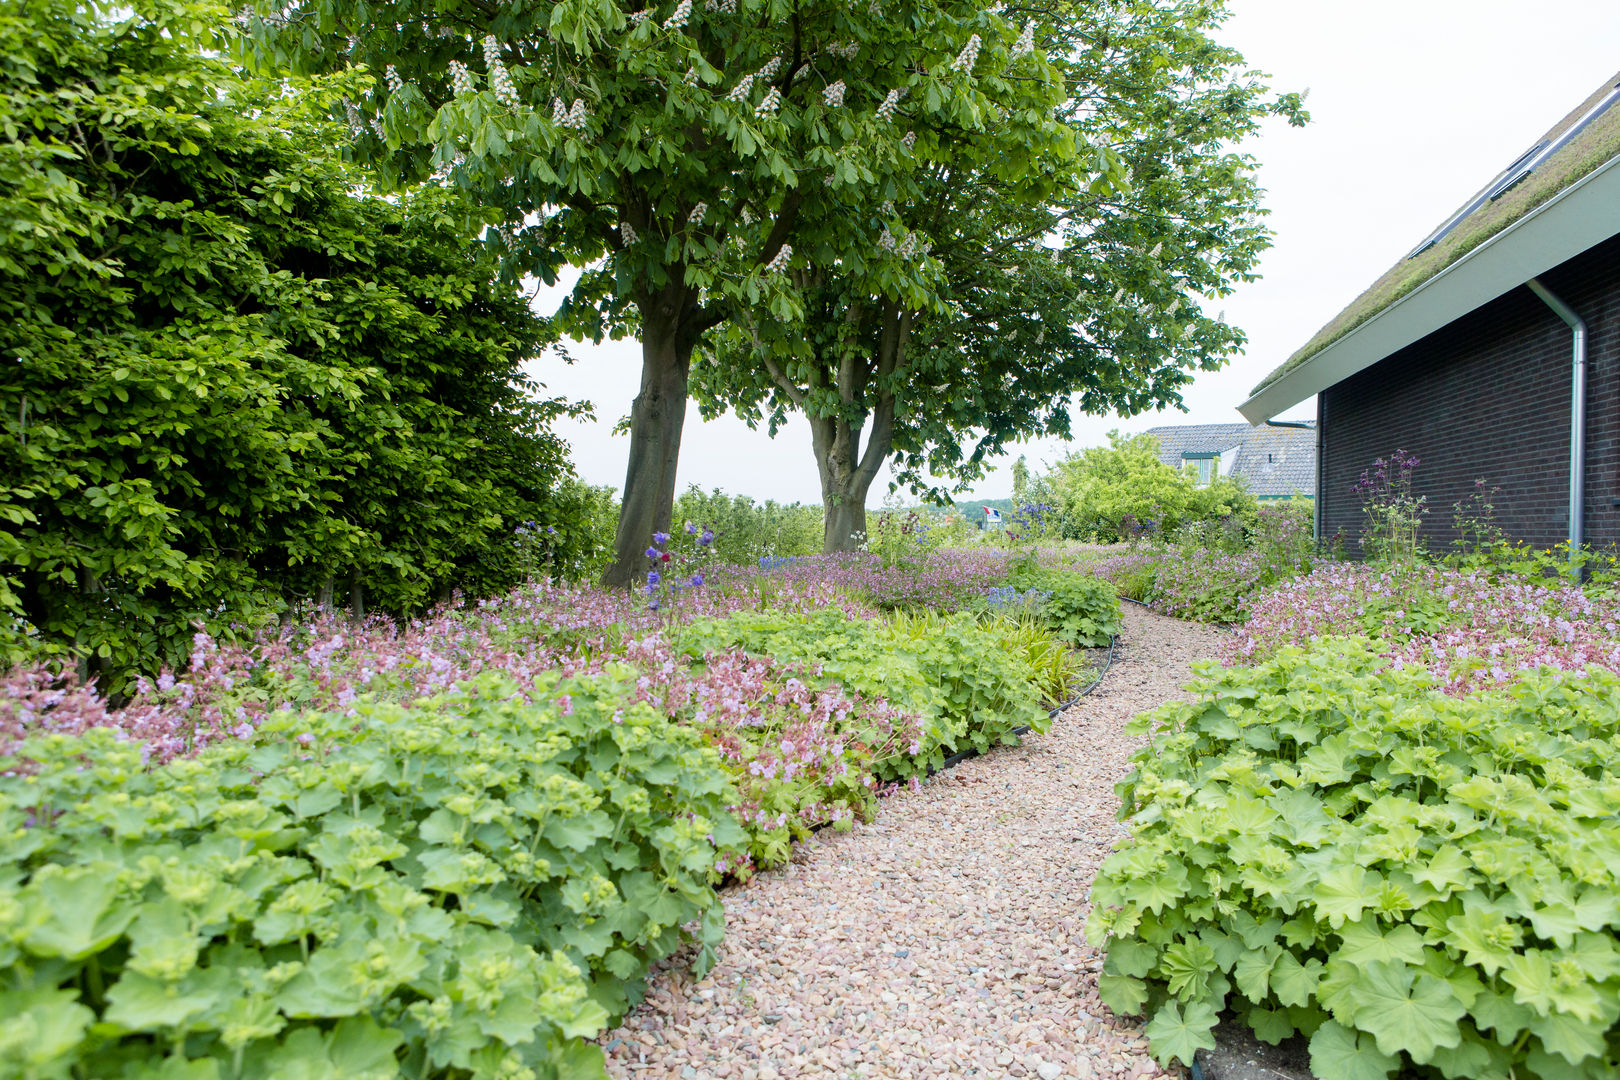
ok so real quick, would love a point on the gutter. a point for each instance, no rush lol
(1577, 420)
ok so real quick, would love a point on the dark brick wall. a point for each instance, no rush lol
(1489, 397)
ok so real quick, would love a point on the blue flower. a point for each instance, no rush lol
(551, 529)
(660, 538)
(707, 537)
(653, 578)
(697, 580)
(653, 553)
(690, 528)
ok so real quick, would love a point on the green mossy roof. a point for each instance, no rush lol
(1599, 143)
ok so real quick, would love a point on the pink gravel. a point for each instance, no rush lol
(946, 938)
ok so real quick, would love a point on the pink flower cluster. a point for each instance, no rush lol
(1472, 630)
(774, 724)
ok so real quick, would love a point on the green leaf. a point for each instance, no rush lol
(1122, 993)
(1271, 1025)
(1407, 1013)
(81, 914)
(1175, 1035)
(139, 1002)
(41, 1028)
(1338, 1053)
(1295, 983)
(1344, 892)
(1364, 942)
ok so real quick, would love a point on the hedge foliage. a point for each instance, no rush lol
(236, 382)
(467, 888)
(1330, 846)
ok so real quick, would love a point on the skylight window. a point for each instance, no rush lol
(1526, 164)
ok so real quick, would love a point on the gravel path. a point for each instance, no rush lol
(946, 938)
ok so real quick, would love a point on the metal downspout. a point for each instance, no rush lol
(1577, 419)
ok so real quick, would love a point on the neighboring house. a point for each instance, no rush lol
(1491, 352)
(1273, 462)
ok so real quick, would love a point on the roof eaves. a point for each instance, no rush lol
(1575, 219)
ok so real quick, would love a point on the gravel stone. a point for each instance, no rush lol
(944, 939)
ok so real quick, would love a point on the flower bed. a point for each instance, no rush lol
(1471, 629)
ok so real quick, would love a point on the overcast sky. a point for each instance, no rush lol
(1415, 105)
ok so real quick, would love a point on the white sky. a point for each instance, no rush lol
(1415, 105)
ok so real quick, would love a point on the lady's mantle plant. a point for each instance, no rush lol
(467, 888)
(1329, 846)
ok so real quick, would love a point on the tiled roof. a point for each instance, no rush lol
(1274, 462)
(1589, 150)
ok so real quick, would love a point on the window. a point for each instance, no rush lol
(1526, 164)
(1206, 466)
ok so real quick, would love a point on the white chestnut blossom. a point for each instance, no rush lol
(461, 83)
(889, 104)
(559, 112)
(577, 116)
(1175, 306)
(769, 104)
(1188, 331)
(724, 7)
(780, 263)
(500, 80)
(691, 77)
(391, 77)
(848, 50)
(352, 111)
(1040, 337)
(742, 89)
(1118, 293)
(885, 242)
(639, 17)
(696, 216)
(772, 66)
(678, 17)
(627, 232)
(910, 139)
(377, 127)
(1154, 254)
(887, 209)
(1026, 41)
(968, 56)
(834, 94)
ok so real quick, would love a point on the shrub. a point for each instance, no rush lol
(1081, 608)
(746, 531)
(1123, 490)
(466, 887)
(1330, 846)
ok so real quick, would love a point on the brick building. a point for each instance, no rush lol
(1491, 352)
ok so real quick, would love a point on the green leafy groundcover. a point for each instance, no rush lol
(462, 889)
(1327, 845)
(1083, 609)
(944, 668)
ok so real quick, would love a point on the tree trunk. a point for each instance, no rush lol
(843, 483)
(656, 419)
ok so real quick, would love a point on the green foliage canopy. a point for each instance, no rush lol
(236, 383)
(1103, 491)
(669, 151)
